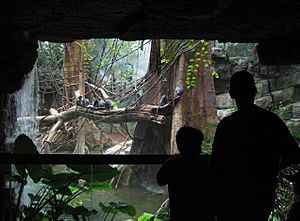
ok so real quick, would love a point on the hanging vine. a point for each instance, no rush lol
(199, 58)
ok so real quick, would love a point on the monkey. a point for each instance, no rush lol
(102, 104)
(96, 103)
(179, 91)
(108, 104)
(86, 102)
(139, 99)
(90, 106)
(99, 104)
(79, 101)
(163, 100)
(83, 102)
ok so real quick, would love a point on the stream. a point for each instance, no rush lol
(139, 197)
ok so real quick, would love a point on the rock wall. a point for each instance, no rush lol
(8, 118)
(278, 85)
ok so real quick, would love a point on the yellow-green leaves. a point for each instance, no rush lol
(198, 60)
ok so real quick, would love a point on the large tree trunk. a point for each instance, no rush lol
(197, 106)
(72, 66)
(177, 117)
(80, 144)
(73, 75)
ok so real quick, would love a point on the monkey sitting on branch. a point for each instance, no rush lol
(98, 104)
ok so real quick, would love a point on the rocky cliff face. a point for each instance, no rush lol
(278, 85)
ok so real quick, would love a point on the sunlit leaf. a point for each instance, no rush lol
(148, 217)
(129, 210)
(121, 207)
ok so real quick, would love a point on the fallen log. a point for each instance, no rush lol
(145, 113)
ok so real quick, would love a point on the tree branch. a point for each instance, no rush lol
(145, 113)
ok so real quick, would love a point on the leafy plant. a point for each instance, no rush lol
(113, 209)
(50, 53)
(148, 217)
(296, 134)
(59, 189)
(284, 194)
(207, 143)
(199, 58)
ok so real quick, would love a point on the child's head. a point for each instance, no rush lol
(189, 141)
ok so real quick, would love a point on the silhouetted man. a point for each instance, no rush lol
(190, 185)
(247, 149)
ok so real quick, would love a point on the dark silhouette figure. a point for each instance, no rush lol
(294, 214)
(247, 149)
(189, 179)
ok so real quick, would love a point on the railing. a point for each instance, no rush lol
(82, 159)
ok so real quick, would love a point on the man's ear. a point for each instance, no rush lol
(231, 94)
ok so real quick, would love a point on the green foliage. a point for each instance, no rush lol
(207, 143)
(148, 217)
(198, 60)
(108, 62)
(50, 53)
(164, 61)
(107, 57)
(296, 134)
(59, 190)
(113, 209)
(86, 58)
(234, 107)
(284, 194)
(169, 50)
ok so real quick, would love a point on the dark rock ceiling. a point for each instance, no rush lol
(23, 22)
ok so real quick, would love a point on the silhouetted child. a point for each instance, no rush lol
(190, 183)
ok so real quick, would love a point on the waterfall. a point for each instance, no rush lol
(27, 101)
(142, 60)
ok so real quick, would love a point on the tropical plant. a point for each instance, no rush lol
(58, 192)
(50, 54)
(148, 217)
(284, 194)
(112, 209)
(200, 58)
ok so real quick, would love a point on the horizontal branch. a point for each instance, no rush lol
(145, 113)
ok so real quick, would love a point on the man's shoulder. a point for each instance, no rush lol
(257, 111)
(266, 114)
(229, 119)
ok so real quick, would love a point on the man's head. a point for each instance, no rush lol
(242, 87)
(189, 141)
